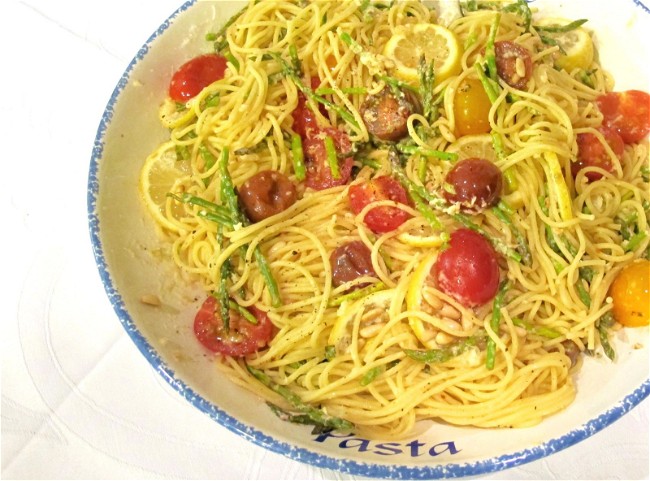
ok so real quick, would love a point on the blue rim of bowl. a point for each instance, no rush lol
(348, 466)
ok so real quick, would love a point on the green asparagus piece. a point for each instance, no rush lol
(522, 9)
(501, 211)
(219, 37)
(229, 197)
(427, 80)
(330, 352)
(490, 55)
(332, 157)
(216, 213)
(314, 414)
(538, 330)
(561, 28)
(634, 241)
(497, 305)
(345, 90)
(358, 294)
(289, 72)
(491, 87)
(416, 193)
(604, 323)
(411, 149)
(222, 294)
(245, 313)
(295, 61)
(443, 354)
(371, 375)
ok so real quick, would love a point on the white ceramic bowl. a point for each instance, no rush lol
(123, 237)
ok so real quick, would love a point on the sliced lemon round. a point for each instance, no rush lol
(415, 297)
(438, 45)
(160, 172)
(577, 47)
(479, 145)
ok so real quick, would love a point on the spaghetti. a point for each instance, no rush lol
(391, 347)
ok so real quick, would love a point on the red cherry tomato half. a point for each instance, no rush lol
(196, 74)
(384, 218)
(468, 269)
(627, 112)
(319, 175)
(242, 338)
(592, 153)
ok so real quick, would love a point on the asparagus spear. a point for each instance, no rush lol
(222, 291)
(231, 201)
(410, 149)
(315, 415)
(502, 213)
(539, 330)
(212, 212)
(443, 354)
(332, 157)
(427, 80)
(288, 71)
(604, 323)
(358, 294)
(372, 374)
(490, 55)
(497, 305)
(415, 192)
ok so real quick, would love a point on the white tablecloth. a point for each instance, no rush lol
(78, 399)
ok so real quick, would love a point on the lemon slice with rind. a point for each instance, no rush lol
(469, 146)
(160, 173)
(577, 47)
(435, 42)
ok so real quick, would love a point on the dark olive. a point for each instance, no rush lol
(473, 183)
(265, 194)
(386, 113)
(349, 262)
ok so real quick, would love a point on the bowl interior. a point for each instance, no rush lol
(132, 264)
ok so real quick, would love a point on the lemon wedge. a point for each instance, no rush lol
(577, 46)
(158, 176)
(479, 145)
(435, 42)
(423, 240)
(558, 186)
(415, 297)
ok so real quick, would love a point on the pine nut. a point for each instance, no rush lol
(371, 330)
(450, 312)
(430, 297)
(443, 338)
(150, 299)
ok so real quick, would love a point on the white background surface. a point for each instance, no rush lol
(78, 399)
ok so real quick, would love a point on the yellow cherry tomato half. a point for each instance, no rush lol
(630, 292)
(471, 108)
